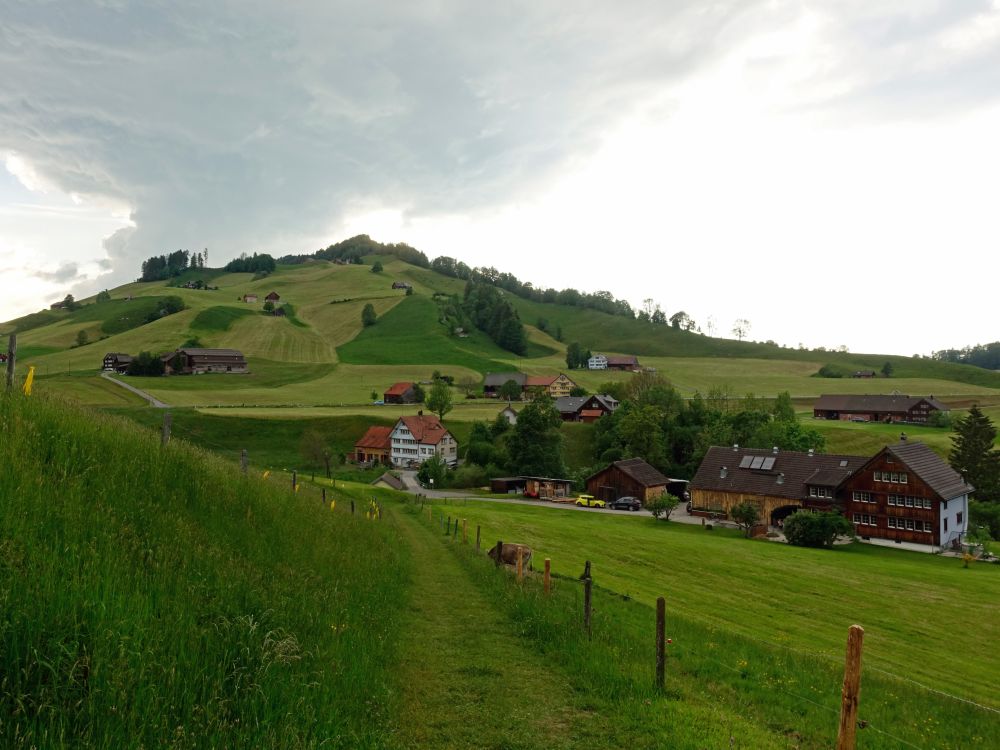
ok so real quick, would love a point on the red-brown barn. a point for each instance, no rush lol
(400, 393)
(631, 477)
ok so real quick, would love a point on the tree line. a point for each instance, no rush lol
(981, 355)
(354, 249)
(262, 263)
(163, 267)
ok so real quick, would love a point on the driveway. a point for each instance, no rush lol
(153, 401)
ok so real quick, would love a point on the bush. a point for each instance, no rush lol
(147, 364)
(829, 371)
(663, 506)
(941, 419)
(807, 529)
(469, 476)
(985, 514)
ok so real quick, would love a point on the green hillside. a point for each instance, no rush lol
(155, 597)
(321, 355)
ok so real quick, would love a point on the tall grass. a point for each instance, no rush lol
(154, 596)
(760, 694)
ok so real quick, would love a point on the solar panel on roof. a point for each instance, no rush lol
(843, 462)
(745, 462)
(768, 463)
(757, 461)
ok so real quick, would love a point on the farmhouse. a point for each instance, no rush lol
(777, 482)
(906, 493)
(249, 298)
(884, 496)
(272, 297)
(374, 447)
(116, 362)
(199, 361)
(867, 374)
(401, 285)
(893, 408)
(628, 363)
(585, 408)
(415, 439)
(553, 385)
(631, 477)
(597, 362)
(400, 393)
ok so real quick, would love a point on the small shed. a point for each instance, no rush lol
(510, 414)
(272, 297)
(508, 485)
(547, 488)
(631, 477)
(400, 393)
(250, 298)
(390, 481)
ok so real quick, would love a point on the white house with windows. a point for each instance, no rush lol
(597, 362)
(415, 439)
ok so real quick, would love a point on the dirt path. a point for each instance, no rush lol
(467, 680)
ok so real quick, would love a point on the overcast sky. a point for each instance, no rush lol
(828, 170)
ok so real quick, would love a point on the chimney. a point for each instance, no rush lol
(902, 437)
(811, 453)
(722, 472)
(736, 447)
(774, 450)
(420, 412)
(781, 478)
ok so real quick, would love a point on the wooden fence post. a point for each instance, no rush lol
(323, 490)
(548, 575)
(520, 563)
(465, 531)
(661, 642)
(352, 507)
(165, 434)
(11, 358)
(456, 527)
(478, 529)
(244, 461)
(851, 695)
(587, 584)
(499, 550)
(447, 527)
(295, 479)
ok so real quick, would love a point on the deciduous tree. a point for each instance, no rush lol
(368, 315)
(439, 399)
(746, 516)
(741, 328)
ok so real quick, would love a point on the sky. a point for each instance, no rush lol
(826, 170)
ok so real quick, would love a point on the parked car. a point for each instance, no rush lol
(626, 503)
(589, 501)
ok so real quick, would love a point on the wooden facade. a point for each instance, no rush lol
(547, 488)
(628, 478)
(722, 503)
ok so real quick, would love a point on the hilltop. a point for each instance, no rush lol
(321, 354)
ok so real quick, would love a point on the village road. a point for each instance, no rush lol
(153, 401)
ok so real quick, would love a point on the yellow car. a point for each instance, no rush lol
(589, 501)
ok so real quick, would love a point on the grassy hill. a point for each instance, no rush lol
(154, 596)
(322, 355)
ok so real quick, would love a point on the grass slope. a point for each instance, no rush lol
(411, 334)
(153, 597)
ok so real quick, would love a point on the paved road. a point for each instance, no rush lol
(680, 515)
(154, 402)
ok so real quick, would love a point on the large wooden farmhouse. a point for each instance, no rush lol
(894, 408)
(884, 496)
(415, 439)
(200, 361)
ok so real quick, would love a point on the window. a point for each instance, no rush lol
(892, 500)
(891, 522)
(902, 478)
(946, 524)
(909, 524)
(878, 476)
(909, 502)
(862, 497)
(958, 518)
(927, 504)
(857, 518)
(894, 477)
(928, 527)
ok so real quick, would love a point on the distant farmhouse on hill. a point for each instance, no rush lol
(898, 408)
(117, 362)
(400, 393)
(555, 386)
(200, 361)
(604, 362)
(250, 298)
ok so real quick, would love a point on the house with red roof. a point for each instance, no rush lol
(400, 393)
(415, 439)
(374, 446)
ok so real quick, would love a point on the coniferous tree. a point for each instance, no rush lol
(973, 455)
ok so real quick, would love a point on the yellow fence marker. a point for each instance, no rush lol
(31, 379)
(333, 504)
(266, 474)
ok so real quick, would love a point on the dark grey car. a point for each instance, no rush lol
(626, 503)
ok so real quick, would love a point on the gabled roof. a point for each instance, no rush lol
(376, 437)
(120, 356)
(273, 296)
(570, 404)
(638, 470)
(399, 389)
(542, 381)
(788, 476)
(392, 480)
(426, 429)
(890, 403)
(211, 352)
(931, 468)
(497, 379)
(623, 360)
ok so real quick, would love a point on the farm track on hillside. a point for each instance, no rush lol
(467, 680)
